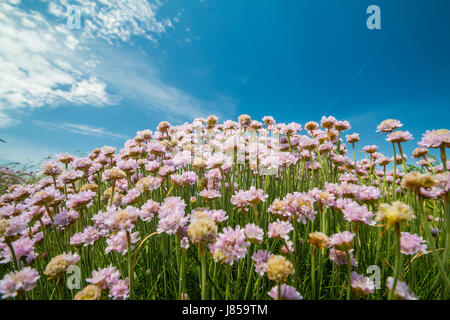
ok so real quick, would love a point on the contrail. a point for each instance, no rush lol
(345, 88)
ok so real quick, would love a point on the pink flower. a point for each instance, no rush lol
(105, 278)
(362, 285)
(217, 215)
(253, 233)
(399, 136)
(23, 249)
(389, 125)
(340, 257)
(80, 200)
(210, 194)
(70, 176)
(18, 281)
(412, 244)
(232, 244)
(171, 205)
(308, 143)
(286, 293)
(355, 212)
(148, 210)
(279, 229)
(120, 290)
(260, 259)
(118, 242)
(87, 237)
(51, 168)
(255, 196)
(328, 122)
(65, 217)
(370, 149)
(401, 289)
(342, 241)
(368, 193)
(352, 138)
(171, 222)
(435, 139)
(189, 178)
(132, 196)
(242, 199)
(239, 199)
(300, 206)
(342, 125)
(122, 219)
(49, 196)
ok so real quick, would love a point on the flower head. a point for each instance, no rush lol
(202, 229)
(435, 139)
(318, 239)
(232, 244)
(279, 268)
(286, 293)
(397, 212)
(389, 125)
(401, 289)
(60, 264)
(412, 244)
(18, 282)
(90, 292)
(342, 241)
(361, 285)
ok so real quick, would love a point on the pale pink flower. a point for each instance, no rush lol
(260, 259)
(340, 257)
(105, 278)
(279, 229)
(286, 293)
(389, 125)
(118, 242)
(412, 244)
(253, 233)
(399, 136)
(18, 281)
(362, 285)
(120, 290)
(401, 289)
(342, 240)
(352, 138)
(232, 244)
(435, 139)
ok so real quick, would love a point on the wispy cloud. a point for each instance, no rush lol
(79, 129)
(44, 63)
(40, 65)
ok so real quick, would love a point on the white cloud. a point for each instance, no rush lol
(79, 129)
(40, 66)
(44, 63)
(115, 19)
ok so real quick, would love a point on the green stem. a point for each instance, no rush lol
(398, 262)
(130, 266)
(313, 273)
(349, 273)
(203, 263)
(394, 187)
(13, 254)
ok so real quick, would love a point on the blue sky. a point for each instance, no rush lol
(135, 63)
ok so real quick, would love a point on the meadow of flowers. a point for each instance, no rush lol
(234, 210)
